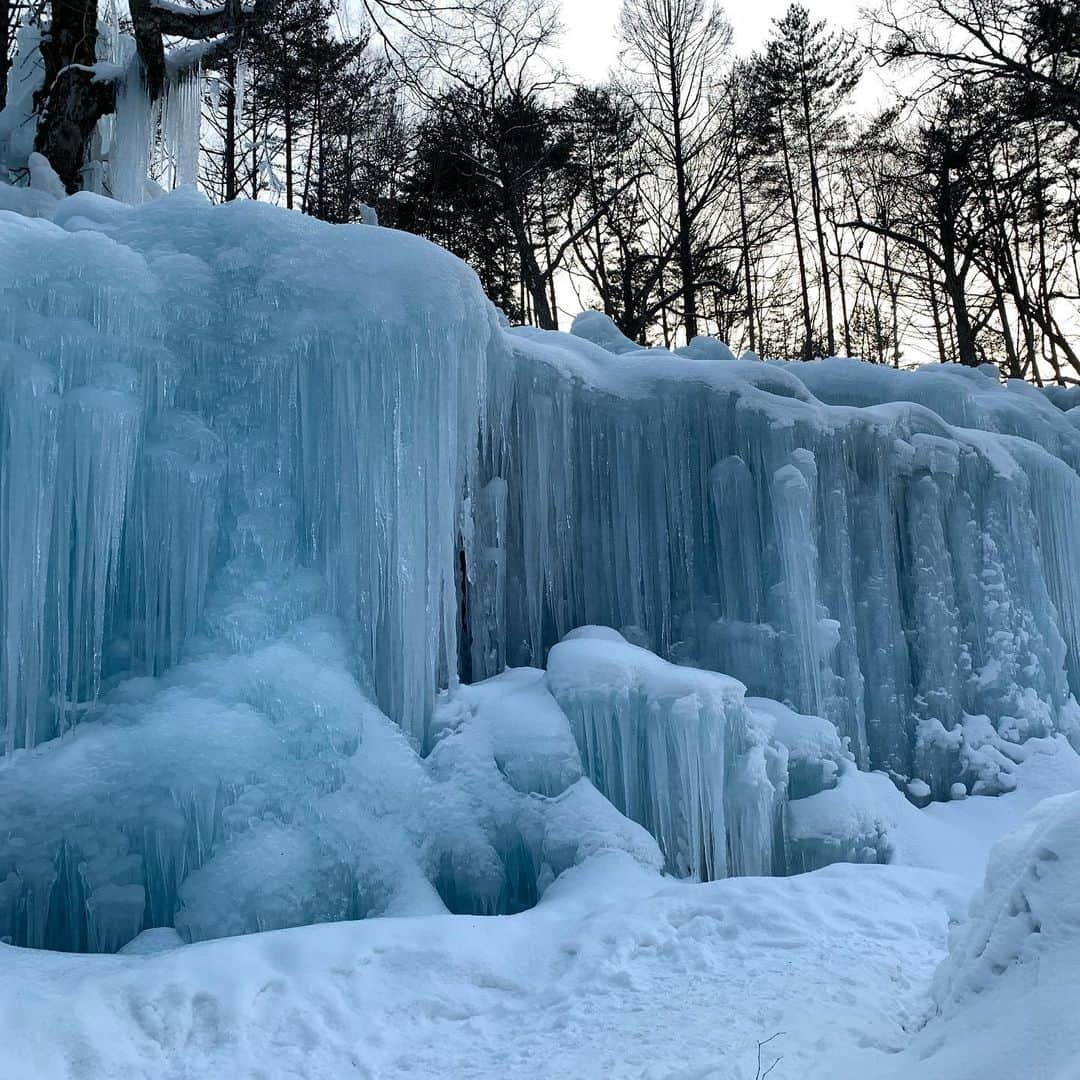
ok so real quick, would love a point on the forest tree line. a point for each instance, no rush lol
(756, 198)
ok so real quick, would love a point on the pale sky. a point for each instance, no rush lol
(590, 49)
(589, 44)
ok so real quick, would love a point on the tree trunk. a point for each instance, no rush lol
(966, 352)
(287, 120)
(70, 101)
(815, 205)
(843, 291)
(744, 237)
(686, 251)
(7, 28)
(954, 284)
(808, 324)
(549, 273)
(229, 149)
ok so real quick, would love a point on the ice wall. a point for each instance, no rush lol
(874, 562)
(901, 571)
(265, 483)
(180, 383)
(236, 455)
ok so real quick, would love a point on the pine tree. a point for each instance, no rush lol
(296, 56)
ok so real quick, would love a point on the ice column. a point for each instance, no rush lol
(673, 749)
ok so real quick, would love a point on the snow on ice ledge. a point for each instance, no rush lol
(256, 472)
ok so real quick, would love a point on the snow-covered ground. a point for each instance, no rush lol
(615, 973)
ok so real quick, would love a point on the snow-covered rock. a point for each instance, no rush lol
(1004, 998)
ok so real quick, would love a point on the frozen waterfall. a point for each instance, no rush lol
(269, 488)
(879, 564)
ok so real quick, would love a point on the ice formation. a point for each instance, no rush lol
(676, 750)
(866, 559)
(141, 143)
(270, 488)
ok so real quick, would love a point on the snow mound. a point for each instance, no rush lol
(1026, 917)
(853, 821)
(615, 973)
(1004, 997)
(599, 328)
(232, 794)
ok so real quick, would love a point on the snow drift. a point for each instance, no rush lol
(1005, 995)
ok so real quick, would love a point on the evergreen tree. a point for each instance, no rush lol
(296, 55)
(607, 168)
(443, 200)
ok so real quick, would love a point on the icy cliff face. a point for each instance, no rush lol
(210, 450)
(267, 486)
(183, 386)
(874, 563)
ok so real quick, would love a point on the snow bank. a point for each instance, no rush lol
(1026, 918)
(615, 973)
(1005, 996)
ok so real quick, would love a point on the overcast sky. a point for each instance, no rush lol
(590, 47)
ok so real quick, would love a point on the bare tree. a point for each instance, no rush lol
(76, 92)
(1032, 47)
(675, 48)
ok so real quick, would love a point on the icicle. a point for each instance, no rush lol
(181, 120)
(28, 485)
(132, 137)
(240, 87)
